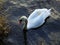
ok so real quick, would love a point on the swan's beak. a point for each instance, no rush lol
(19, 22)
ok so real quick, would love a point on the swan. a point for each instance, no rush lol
(36, 18)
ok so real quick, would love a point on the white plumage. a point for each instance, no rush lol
(37, 17)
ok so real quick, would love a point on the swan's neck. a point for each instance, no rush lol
(25, 25)
(24, 32)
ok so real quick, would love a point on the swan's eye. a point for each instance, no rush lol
(20, 20)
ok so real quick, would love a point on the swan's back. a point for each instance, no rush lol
(36, 12)
(37, 18)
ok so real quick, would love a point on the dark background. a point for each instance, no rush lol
(49, 33)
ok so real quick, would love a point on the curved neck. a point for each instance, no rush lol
(24, 32)
(25, 25)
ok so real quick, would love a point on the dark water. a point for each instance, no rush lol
(34, 36)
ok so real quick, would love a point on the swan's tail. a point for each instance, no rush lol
(47, 13)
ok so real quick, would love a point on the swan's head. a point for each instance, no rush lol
(23, 19)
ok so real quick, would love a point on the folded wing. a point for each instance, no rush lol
(35, 13)
(37, 19)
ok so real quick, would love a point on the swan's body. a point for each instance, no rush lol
(37, 18)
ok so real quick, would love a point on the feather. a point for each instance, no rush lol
(38, 17)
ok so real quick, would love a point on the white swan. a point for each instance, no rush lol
(36, 18)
